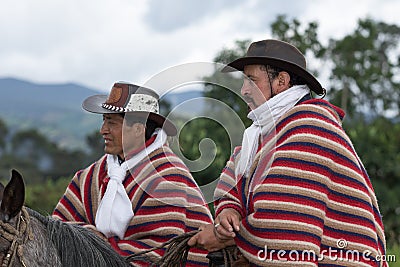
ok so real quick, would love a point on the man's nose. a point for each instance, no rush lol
(103, 128)
(245, 90)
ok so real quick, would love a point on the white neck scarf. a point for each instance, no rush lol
(115, 209)
(264, 118)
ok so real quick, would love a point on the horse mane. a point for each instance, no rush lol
(78, 246)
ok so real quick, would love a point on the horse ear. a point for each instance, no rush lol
(13, 197)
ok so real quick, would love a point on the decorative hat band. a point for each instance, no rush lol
(137, 102)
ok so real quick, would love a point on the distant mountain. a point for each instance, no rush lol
(186, 103)
(56, 109)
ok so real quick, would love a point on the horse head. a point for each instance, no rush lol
(26, 236)
(13, 228)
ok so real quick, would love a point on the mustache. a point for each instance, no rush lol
(248, 99)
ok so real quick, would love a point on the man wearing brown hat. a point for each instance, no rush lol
(295, 193)
(139, 194)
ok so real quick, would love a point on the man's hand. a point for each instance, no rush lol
(226, 224)
(206, 239)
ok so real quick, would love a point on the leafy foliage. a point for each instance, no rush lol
(32, 153)
(225, 87)
(304, 39)
(44, 196)
(379, 152)
(206, 158)
(4, 131)
(365, 76)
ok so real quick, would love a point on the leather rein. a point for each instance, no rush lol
(17, 237)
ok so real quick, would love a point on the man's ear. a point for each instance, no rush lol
(139, 129)
(283, 81)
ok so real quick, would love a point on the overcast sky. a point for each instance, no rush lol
(97, 42)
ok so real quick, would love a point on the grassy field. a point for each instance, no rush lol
(394, 251)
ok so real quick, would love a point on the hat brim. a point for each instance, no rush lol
(94, 103)
(238, 65)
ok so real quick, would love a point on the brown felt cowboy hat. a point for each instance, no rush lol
(130, 98)
(279, 54)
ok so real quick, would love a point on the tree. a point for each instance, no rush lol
(379, 152)
(4, 171)
(39, 158)
(306, 40)
(95, 142)
(32, 154)
(366, 65)
(204, 159)
(4, 133)
(207, 141)
(230, 93)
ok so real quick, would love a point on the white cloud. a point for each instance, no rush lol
(96, 43)
(167, 16)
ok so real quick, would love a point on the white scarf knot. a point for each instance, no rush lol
(115, 210)
(264, 118)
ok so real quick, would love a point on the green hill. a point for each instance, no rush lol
(54, 109)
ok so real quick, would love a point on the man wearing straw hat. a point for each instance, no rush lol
(139, 194)
(295, 193)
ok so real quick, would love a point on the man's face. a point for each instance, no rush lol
(256, 86)
(111, 130)
(119, 136)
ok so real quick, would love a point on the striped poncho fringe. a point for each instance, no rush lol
(166, 202)
(309, 200)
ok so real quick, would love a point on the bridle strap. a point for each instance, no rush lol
(176, 251)
(17, 236)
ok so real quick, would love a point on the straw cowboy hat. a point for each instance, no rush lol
(279, 54)
(129, 98)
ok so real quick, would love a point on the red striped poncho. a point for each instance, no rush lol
(308, 200)
(166, 202)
